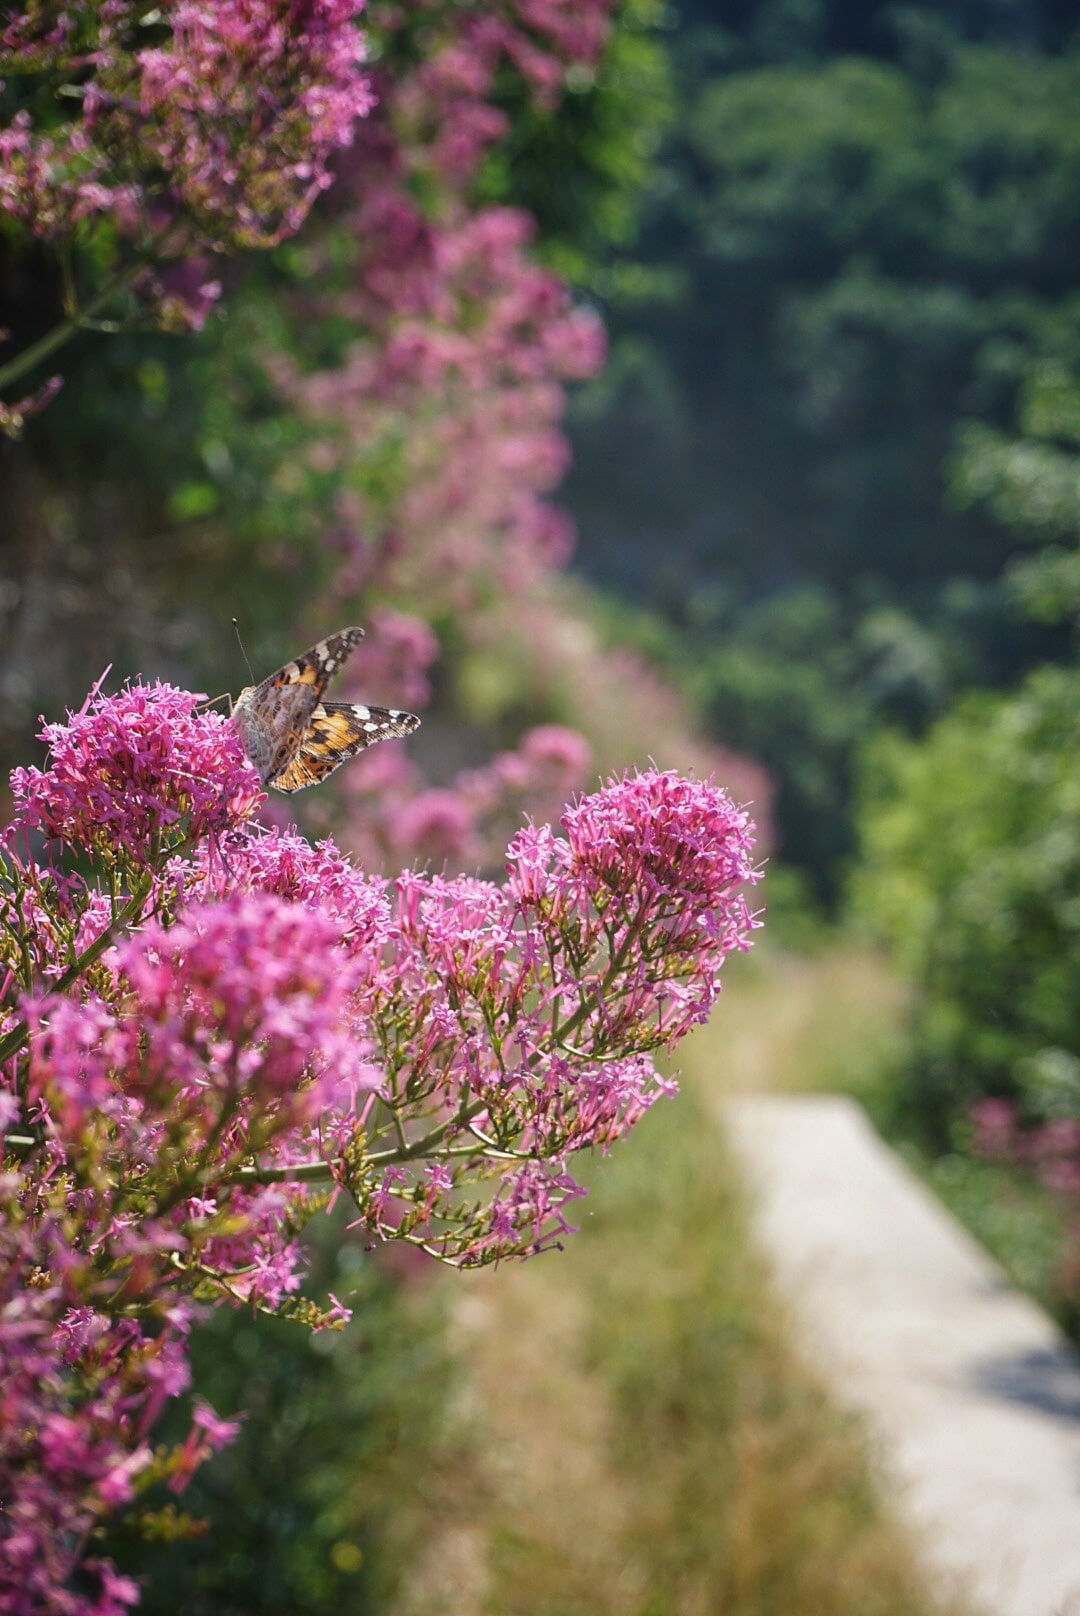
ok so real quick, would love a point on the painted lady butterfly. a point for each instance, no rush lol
(293, 737)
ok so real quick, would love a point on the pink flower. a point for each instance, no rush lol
(242, 108)
(435, 825)
(208, 1434)
(996, 1130)
(13, 417)
(186, 292)
(336, 1315)
(561, 750)
(218, 1432)
(320, 877)
(527, 1206)
(239, 109)
(74, 1048)
(117, 1593)
(666, 839)
(653, 868)
(131, 774)
(281, 1025)
(250, 993)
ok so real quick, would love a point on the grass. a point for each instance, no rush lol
(788, 1023)
(647, 1441)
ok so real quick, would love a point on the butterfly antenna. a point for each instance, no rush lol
(243, 653)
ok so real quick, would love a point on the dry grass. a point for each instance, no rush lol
(536, 1522)
(791, 1023)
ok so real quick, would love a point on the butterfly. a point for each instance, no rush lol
(294, 738)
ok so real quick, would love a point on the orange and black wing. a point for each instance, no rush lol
(319, 665)
(274, 716)
(337, 731)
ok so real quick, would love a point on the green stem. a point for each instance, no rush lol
(62, 333)
(313, 1172)
(17, 1038)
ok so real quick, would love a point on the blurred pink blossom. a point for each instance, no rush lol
(995, 1128)
(227, 122)
(393, 658)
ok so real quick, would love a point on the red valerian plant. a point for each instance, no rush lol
(457, 329)
(215, 121)
(210, 1030)
(156, 135)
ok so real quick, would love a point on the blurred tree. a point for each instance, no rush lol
(970, 868)
(847, 256)
(1031, 480)
(970, 852)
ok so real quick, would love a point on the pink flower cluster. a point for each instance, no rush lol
(457, 332)
(447, 107)
(201, 123)
(256, 1023)
(474, 349)
(539, 1002)
(132, 775)
(74, 1383)
(392, 815)
(1051, 1150)
(394, 657)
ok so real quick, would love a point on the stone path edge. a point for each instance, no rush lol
(971, 1391)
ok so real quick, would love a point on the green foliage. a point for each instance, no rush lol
(1031, 480)
(868, 257)
(970, 869)
(581, 170)
(866, 236)
(970, 182)
(316, 1507)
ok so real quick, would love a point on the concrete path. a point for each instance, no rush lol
(973, 1393)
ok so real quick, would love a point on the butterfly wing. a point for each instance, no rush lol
(337, 731)
(318, 666)
(274, 717)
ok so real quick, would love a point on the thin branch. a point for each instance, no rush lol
(18, 1037)
(63, 333)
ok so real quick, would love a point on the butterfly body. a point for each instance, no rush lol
(295, 739)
